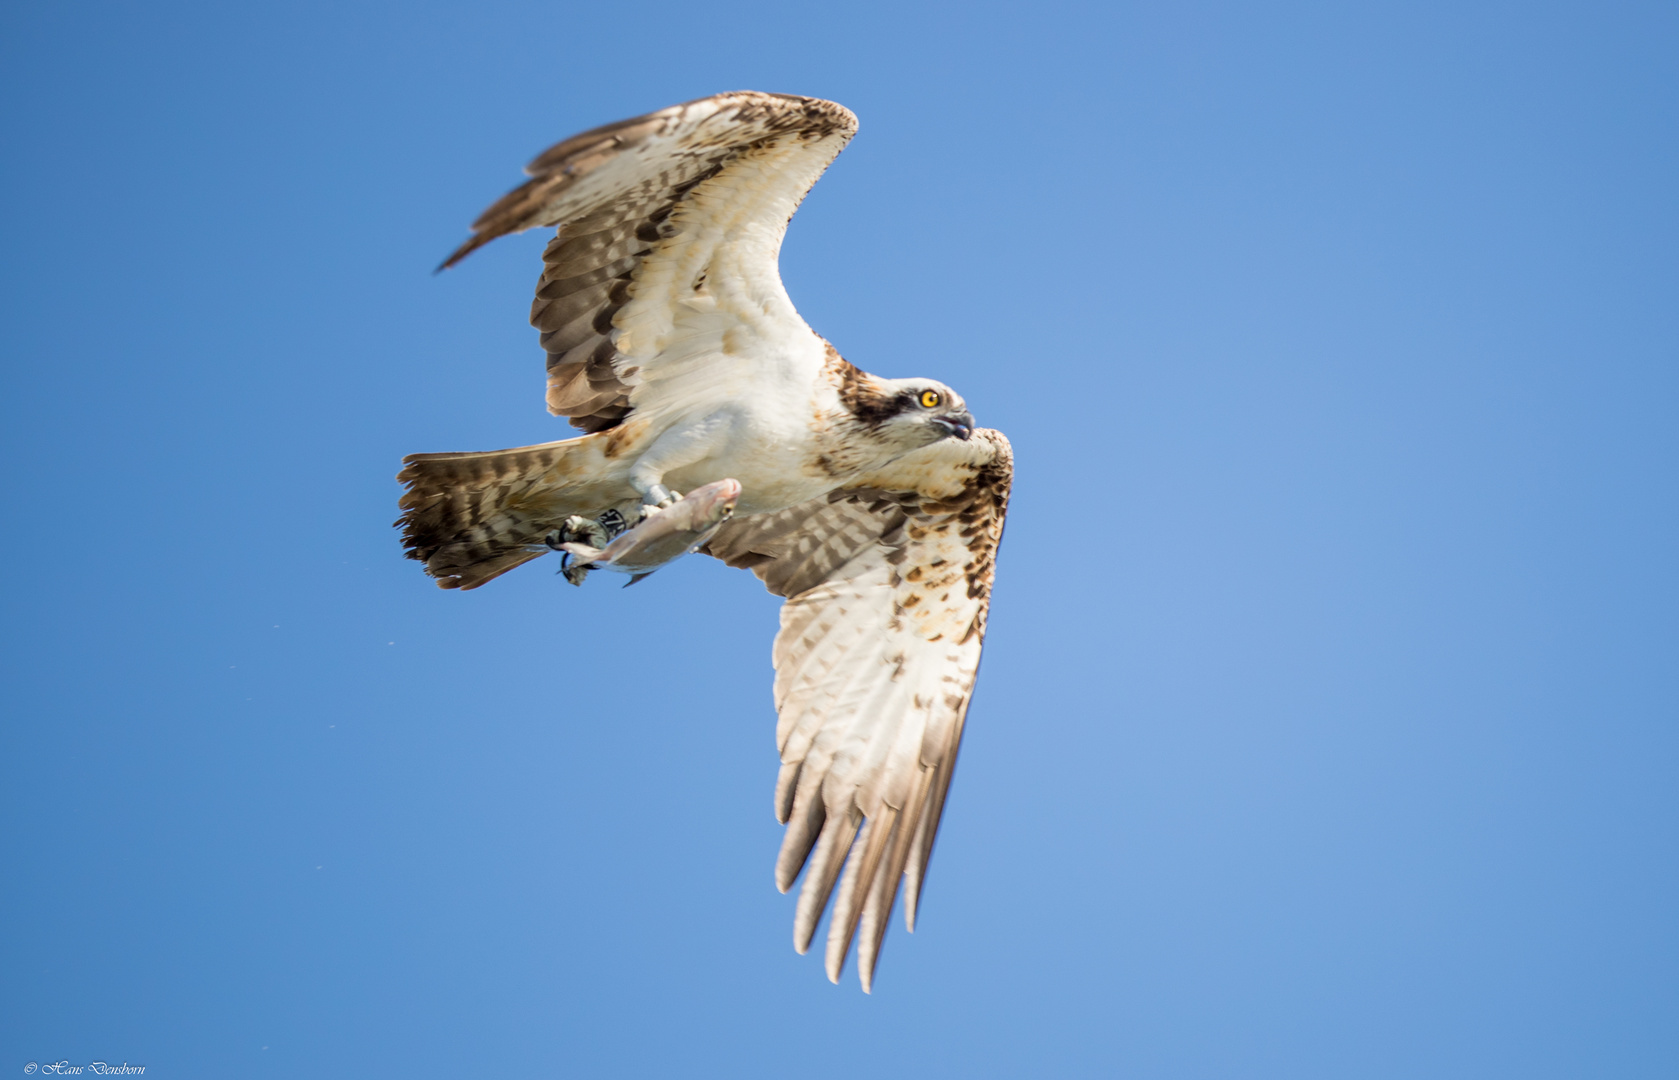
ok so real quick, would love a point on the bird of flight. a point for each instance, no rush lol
(717, 420)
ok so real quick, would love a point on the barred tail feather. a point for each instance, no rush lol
(472, 517)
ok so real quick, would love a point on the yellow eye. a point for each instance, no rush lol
(930, 399)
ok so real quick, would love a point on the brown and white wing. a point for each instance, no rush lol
(663, 277)
(887, 584)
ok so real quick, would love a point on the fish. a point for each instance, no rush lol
(662, 537)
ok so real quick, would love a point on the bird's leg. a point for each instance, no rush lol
(657, 497)
(614, 524)
(676, 448)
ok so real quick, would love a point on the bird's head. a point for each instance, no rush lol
(910, 413)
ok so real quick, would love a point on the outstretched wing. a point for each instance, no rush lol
(887, 584)
(665, 263)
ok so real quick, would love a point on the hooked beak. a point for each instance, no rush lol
(959, 424)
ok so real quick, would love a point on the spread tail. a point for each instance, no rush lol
(473, 517)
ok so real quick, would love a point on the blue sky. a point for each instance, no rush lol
(1330, 714)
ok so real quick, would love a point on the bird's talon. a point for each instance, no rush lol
(578, 529)
(658, 498)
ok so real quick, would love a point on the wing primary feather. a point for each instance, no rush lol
(786, 784)
(877, 911)
(925, 835)
(837, 833)
(860, 871)
(802, 832)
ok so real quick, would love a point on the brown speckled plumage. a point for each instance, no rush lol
(672, 343)
(934, 521)
(590, 267)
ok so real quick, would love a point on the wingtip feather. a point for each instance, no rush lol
(802, 833)
(473, 243)
(825, 864)
(877, 910)
(861, 869)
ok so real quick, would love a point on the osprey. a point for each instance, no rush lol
(872, 505)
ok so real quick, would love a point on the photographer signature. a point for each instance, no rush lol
(95, 1068)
